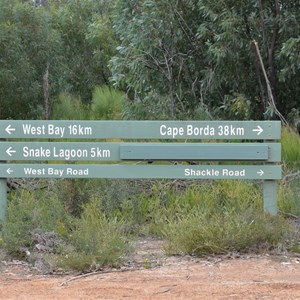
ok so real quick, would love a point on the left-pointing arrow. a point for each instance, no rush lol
(9, 129)
(9, 151)
(9, 171)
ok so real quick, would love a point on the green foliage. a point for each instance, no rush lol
(289, 192)
(28, 212)
(211, 217)
(67, 107)
(236, 108)
(73, 40)
(88, 43)
(205, 232)
(200, 53)
(76, 193)
(98, 241)
(106, 103)
(28, 44)
(290, 149)
(157, 57)
(289, 197)
(216, 217)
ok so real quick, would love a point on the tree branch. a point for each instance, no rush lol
(269, 89)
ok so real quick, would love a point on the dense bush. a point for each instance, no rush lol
(28, 212)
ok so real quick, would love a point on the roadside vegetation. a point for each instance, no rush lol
(94, 223)
(113, 60)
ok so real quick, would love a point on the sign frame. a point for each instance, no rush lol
(113, 133)
(173, 130)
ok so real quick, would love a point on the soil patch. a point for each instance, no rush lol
(152, 275)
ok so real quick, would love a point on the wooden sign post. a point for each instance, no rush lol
(184, 144)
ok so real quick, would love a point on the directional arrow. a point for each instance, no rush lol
(260, 172)
(9, 151)
(9, 129)
(259, 130)
(9, 171)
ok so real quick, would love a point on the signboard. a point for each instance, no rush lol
(259, 130)
(140, 171)
(181, 146)
(79, 151)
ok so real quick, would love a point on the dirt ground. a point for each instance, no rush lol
(152, 275)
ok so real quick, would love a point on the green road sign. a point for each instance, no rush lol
(258, 130)
(140, 171)
(80, 151)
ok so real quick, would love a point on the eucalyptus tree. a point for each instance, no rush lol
(248, 42)
(236, 58)
(160, 58)
(88, 43)
(28, 48)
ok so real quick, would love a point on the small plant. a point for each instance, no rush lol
(28, 212)
(106, 103)
(222, 231)
(291, 149)
(68, 107)
(289, 198)
(211, 217)
(97, 240)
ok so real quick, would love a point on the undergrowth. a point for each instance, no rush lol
(95, 221)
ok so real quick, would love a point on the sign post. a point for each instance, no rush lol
(183, 146)
(3, 199)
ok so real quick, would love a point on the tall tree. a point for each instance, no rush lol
(28, 45)
(160, 57)
(186, 54)
(88, 43)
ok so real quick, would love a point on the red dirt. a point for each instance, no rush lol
(155, 276)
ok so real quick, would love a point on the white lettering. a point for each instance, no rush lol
(67, 154)
(234, 173)
(55, 172)
(32, 171)
(77, 172)
(171, 131)
(56, 130)
(200, 131)
(202, 173)
(33, 130)
(40, 152)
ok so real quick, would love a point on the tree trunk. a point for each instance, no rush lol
(46, 87)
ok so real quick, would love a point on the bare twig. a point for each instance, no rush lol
(269, 89)
(46, 87)
(95, 273)
(287, 177)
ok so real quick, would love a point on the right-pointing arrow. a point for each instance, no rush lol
(260, 172)
(9, 151)
(259, 130)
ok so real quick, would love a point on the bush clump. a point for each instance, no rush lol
(28, 212)
(97, 240)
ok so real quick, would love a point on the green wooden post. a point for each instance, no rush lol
(3, 199)
(269, 152)
(270, 190)
(3, 193)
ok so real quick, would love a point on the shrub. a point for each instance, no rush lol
(289, 198)
(221, 232)
(97, 240)
(28, 212)
(290, 149)
(68, 107)
(106, 103)
(213, 217)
